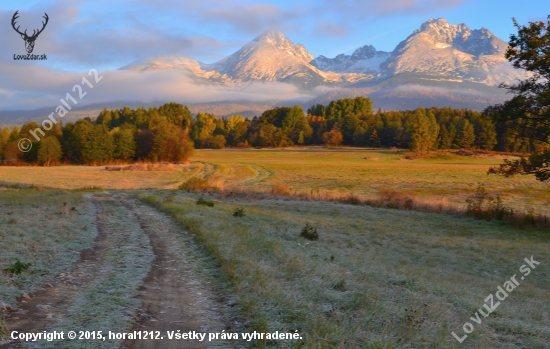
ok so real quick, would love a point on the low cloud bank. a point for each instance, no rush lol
(24, 87)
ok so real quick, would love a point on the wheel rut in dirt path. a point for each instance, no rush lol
(140, 275)
(40, 309)
(174, 298)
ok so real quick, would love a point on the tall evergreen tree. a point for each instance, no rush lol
(98, 147)
(527, 114)
(444, 140)
(374, 140)
(49, 151)
(486, 135)
(4, 139)
(124, 145)
(423, 130)
(466, 136)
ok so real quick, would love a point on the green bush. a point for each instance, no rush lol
(17, 268)
(239, 212)
(203, 202)
(309, 232)
(481, 205)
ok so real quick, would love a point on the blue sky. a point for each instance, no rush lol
(109, 34)
(106, 35)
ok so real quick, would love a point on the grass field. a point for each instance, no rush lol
(444, 178)
(34, 230)
(376, 278)
(363, 173)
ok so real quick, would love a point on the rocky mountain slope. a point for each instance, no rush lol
(365, 59)
(454, 52)
(269, 57)
(441, 50)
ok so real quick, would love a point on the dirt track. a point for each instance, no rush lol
(173, 296)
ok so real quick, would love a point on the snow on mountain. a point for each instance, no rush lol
(269, 57)
(452, 51)
(177, 61)
(365, 59)
(435, 54)
(273, 57)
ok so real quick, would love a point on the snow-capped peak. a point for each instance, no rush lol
(437, 48)
(453, 51)
(277, 39)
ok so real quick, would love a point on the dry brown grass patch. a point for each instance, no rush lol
(143, 167)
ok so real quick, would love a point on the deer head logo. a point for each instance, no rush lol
(29, 40)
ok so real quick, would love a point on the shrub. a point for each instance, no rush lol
(309, 232)
(340, 286)
(351, 200)
(392, 199)
(280, 189)
(239, 212)
(481, 205)
(17, 268)
(196, 184)
(203, 202)
(476, 201)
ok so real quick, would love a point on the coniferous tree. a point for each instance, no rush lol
(98, 147)
(124, 145)
(75, 138)
(486, 136)
(49, 151)
(527, 114)
(444, 140)
(348, 126)
(452, 136)
(360, 136)
(423, 130)
(374, 140)
(466, 136)
(15, 134)
(4, 139)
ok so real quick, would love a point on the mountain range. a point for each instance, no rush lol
(439, 64)
(444, 51)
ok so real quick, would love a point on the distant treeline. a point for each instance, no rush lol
(171, 132)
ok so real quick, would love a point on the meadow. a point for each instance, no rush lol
(443, 178)
(375, 278)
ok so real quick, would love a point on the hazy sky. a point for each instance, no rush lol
(106, 34)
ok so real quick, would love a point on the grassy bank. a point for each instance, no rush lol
(35, 228)
(376, 278)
